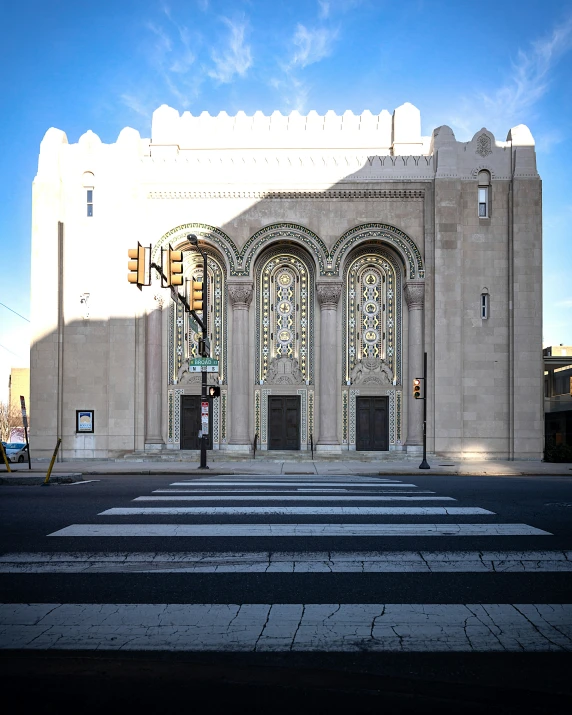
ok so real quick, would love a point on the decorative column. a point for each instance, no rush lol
(415, 298)
(153, 375)
(328, 295)
(240, 295)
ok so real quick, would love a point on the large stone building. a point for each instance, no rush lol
(340, 249)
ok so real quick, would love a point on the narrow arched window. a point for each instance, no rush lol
(484, 199)
(88, 185)
(485, 306)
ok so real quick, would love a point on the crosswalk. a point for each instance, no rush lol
(283, 528)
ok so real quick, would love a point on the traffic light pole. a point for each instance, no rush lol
(424, 464)
(204, 395)
(141, 275)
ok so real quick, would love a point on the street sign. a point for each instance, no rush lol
(24, 414)
(205, 416)
(203, 364)
(25, 423)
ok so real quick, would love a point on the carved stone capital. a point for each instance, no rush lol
(329, 293)
(415, 294)
(240, 293)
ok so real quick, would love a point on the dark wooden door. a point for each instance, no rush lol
(283, 422)
(372, 426)
(191, 422)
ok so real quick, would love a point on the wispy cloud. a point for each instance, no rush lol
(312, 45)
(528, 81)
(237, 58)
(171, 57)
(567, 303)
(324, 6)
(293, 92)
(137, 105)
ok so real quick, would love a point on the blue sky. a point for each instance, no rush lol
(107, 65)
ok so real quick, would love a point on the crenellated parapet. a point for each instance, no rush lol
(280, 154)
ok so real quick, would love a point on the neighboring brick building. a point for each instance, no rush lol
(340, 249)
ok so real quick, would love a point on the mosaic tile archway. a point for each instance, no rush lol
(284, 286)
(183, 335)
(372, 328)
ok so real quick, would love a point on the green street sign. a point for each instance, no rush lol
(203, 364)
(200, 361)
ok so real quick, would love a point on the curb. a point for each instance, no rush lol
(33, 480)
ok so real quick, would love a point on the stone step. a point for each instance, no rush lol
(179, 455)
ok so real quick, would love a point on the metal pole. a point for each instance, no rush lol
(46, 482)
(424, 464)
(5, 457)
(204, 396)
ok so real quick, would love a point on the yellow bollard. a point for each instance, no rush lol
(4, 457)
(55, 454)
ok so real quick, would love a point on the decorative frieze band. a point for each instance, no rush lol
(337, 194)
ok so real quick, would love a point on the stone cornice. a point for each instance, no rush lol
(408, 194)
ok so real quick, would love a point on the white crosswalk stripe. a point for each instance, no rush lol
(285, 626)
(289, 627)
(297, 510)
(284, 497)
(290, 484)
(291, 562)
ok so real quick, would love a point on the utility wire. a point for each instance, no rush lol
(11, 351)
(18, 314)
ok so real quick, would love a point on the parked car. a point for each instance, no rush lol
(16, 451)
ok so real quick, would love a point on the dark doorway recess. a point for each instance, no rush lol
(372, 425)
(191, 422)
(283, 422)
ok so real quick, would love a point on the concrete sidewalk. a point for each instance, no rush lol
(264, 465)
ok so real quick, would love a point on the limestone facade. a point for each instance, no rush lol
(340, 248)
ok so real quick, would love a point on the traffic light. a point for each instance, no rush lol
(417, 388)
(136, 265)
(172, 266)
(214, 391)
(195, 295)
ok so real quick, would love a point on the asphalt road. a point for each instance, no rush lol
(321, 617)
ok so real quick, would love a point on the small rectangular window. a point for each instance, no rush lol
(90, 202)
(483, 202)
(484, 306)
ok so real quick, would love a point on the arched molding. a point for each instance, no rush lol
(279, 232)
(482, 167)
(301, 262)
(405, 247)
(184, 332)
(177, 237)
(388, 261)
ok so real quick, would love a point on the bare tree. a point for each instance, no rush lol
(10, 418)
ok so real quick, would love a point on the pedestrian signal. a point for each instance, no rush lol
(214, 391)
